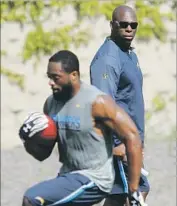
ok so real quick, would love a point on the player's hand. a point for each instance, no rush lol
(136, 199)
(34, 123)
(119, 150)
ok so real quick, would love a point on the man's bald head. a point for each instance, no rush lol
(123, 26)
(120, 13)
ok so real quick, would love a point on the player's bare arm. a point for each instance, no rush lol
(117, 119)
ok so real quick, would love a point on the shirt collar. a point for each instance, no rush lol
(129, 50)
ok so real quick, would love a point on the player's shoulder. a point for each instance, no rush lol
(49, 99)
(91, 89)
(48, 104)
(93, 94)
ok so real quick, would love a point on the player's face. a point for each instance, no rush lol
(124, 27)
(59, 81)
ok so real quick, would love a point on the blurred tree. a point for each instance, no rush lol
(40, 42)
(14, 78)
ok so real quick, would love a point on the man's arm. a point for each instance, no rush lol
(105, 73)
(118, 120)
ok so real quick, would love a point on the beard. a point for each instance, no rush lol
(63, 95)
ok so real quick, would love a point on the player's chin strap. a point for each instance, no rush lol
(136, 199)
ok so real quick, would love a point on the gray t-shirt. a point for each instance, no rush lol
(82, 150)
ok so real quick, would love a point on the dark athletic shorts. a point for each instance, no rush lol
(68, 189)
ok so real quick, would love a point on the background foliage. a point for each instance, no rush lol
(39, 42)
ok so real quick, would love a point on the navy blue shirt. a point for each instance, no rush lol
(118, 74)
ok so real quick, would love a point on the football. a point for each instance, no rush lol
(41, 144)
(51, 131)
(46, 137)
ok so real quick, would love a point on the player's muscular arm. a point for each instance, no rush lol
(118, 120)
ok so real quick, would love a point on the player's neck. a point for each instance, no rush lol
(76, 88)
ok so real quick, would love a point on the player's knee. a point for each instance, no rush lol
(26, 202)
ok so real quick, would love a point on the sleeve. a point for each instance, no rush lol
(105, 74)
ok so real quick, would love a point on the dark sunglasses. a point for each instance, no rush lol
(125, 24)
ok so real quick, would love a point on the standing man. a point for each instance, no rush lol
(85, 117)
(115, 70)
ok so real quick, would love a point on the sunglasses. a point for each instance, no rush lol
(125, 24)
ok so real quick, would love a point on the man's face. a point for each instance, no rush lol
(59, 81)
(124, 26)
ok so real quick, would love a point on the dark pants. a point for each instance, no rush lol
(68, 189)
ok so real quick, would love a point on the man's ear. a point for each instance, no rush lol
(74, 75)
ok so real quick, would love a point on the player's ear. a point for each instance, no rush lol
(74, 75)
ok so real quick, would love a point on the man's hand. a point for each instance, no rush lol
(136, 199)
(119, 150)
(34, 123)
